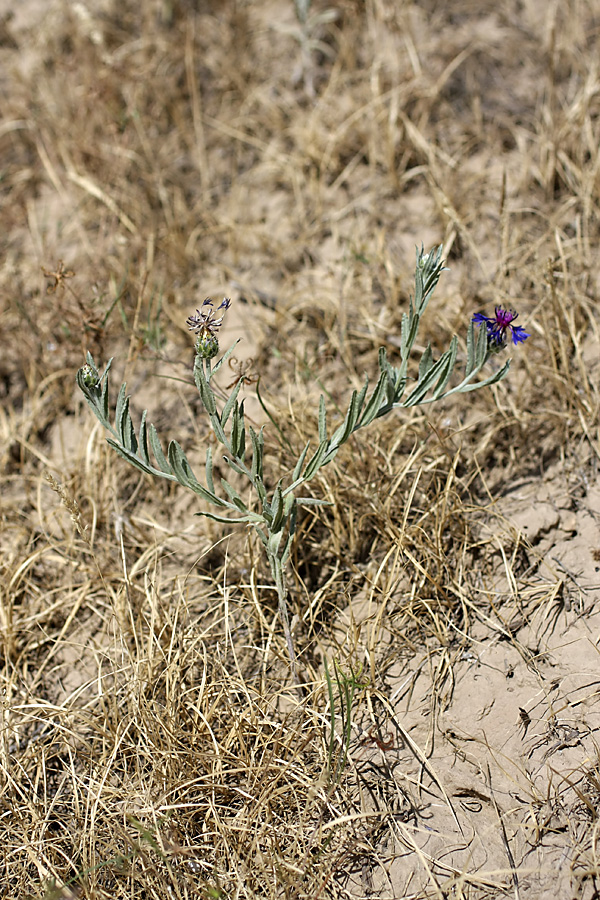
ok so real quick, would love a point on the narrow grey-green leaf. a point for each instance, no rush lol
(322, 420)
(300, 463)
(227, 520)
(471, 342)
(419, 391)
(105, 387)
(215, 421)
(263, 536)
(209, 471)
(128, 432)
(399, 390)
(331, 454)
(493, 379)
(260, 489)
(278, 508)
(481, 349)
(234, 496)
(230, 403)
(340, 434)
(238, 431)
(404, 336)
(361, 400)
(224, 358)
(157, 449)
(447, 369)
(315, 460)
(185, 475)
(376, 401)
(426, 362)
(131, 457)
(143, 440)
(234, 465)
(121, 400)
(257, 441)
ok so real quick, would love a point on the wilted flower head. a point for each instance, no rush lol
(204, 325)
(499, 326)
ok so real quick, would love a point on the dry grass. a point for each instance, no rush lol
(151, 742)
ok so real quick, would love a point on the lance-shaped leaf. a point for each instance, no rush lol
(493, 379)
(302, 457)
(132, 458)
(322, 420)
(185, 476)
(447, 369)
(391, 375)
(230, 404)
(425, 362)
(258, 443)
(235, 497)
(124, 426)
(315, 461)
(481, 348)
(230, 520)
(143, 440)
(158, 451)
(236, 466)
(341, 434)
(471, 343)
(292, 518)
(408, 333)
(212, 370)
(376, 401)
(120, 407)
(103, 406)
(215, 421)
(278, 509)
(437, 370)
(208, 468)
(238, 431)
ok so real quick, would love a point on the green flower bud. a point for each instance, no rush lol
(90, 376)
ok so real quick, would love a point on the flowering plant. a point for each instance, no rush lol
(273, 515)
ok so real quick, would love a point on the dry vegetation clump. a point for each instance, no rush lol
(444, 605)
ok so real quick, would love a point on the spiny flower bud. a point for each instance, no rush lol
(207, 345)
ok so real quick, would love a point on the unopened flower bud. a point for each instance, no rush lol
(90, 376)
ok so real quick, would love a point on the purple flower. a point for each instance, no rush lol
(205, 321)
(499, 325)
(204, 325)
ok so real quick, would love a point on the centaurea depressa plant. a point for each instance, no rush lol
(274, 509)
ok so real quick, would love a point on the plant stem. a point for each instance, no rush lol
(279, 577)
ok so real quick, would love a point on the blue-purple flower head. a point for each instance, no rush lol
(204, 324)
(500, 328)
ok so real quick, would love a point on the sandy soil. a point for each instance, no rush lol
(310, 190)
